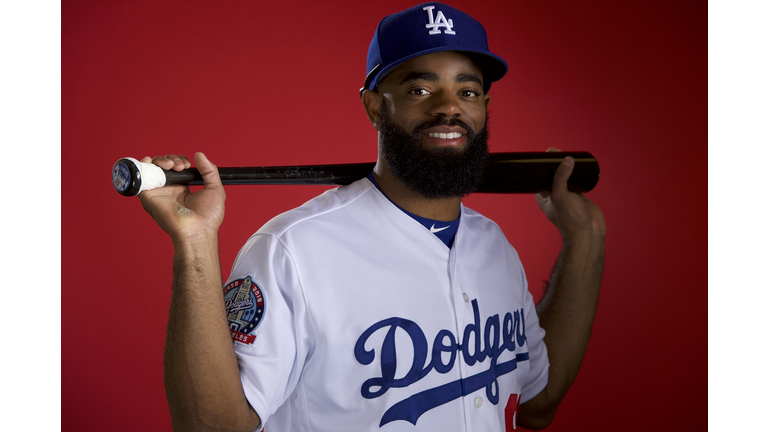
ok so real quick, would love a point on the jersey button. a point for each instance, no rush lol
(478, 402)
(466, 298)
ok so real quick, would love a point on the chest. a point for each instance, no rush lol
(412, 335)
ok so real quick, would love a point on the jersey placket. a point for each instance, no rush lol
(462, 311)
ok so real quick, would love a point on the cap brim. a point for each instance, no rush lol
(492, 66)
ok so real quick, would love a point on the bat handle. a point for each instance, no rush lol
(130, 177)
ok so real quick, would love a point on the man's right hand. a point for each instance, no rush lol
(187, 217)
(202, 379)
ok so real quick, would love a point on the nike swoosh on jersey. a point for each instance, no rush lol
(433, 230)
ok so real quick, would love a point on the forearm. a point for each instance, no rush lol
(566, 313)
(568, 308)
(201, 374)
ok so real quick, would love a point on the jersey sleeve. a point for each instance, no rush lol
(538, 374)
(271, 342)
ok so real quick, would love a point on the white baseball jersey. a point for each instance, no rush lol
(349, 315)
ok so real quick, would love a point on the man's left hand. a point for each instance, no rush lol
(572, 213)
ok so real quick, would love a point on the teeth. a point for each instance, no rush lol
(452, 135)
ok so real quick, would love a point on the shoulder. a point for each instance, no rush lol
(475, 221)
(485, 234)
(302, 229)
(330, 205)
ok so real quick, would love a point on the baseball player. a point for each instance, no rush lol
(385, 305)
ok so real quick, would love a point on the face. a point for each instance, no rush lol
(432, 125)
(445, 85)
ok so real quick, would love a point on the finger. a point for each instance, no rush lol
(178, 164)
(553, 149)
(560, 183)
(146, 159)
(209, 171)
(163, 162)
(185, 160)
(543, 199)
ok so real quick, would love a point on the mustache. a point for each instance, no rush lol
(445, 121)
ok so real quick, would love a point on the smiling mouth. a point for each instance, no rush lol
(451, 135)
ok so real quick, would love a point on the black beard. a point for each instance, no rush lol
(434, 173)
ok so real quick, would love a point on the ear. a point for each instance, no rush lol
(372, 104)
(487, 100)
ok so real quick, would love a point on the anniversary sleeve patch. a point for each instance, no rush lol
(245, 306)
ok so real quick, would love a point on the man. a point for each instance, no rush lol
(385, 304)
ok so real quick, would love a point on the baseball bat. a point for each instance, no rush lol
(516, 172)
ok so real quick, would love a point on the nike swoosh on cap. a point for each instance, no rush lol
(433, 230)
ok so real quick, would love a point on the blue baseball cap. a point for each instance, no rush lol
(425, 29)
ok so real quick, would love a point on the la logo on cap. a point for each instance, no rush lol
(441, 22)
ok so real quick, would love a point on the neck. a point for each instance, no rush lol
(441, 209)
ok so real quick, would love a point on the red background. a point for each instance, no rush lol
(257, 83)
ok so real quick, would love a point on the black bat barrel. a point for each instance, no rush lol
(514, 172)
(532, 172)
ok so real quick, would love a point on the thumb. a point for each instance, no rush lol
(208, 170)
(560, 183)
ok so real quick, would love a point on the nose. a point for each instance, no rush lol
(445, 104)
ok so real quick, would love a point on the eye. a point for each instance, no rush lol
(419, 91)
(469, 93)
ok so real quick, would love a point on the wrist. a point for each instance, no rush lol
(200, 241)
